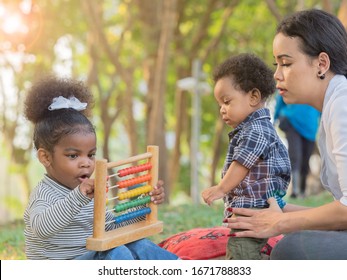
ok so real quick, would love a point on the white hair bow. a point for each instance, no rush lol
(64, 103)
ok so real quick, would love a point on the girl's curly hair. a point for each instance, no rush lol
(51, 126)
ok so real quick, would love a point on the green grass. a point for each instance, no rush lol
(176, 219)
(312, 201)
(12, 241)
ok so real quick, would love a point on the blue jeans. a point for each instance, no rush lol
(311, 245)
(142, 249)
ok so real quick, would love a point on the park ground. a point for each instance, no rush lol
(176, 218)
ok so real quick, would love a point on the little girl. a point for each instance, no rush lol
(59, 216)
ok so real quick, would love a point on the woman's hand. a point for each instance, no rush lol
(256, 223)
(158, 193)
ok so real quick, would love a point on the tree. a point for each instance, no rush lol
(131, 53)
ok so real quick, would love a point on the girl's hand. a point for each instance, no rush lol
(158, 193)
(256, 223)
(87, 187)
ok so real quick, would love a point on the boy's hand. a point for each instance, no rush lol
(211, 194)
(87, 187)
(158, 193)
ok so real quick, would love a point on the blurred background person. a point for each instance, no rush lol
(300, 124)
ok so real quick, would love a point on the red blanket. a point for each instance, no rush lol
(205, 243)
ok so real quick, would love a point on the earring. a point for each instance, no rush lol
(320, 75)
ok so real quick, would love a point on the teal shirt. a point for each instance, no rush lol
(304, 118)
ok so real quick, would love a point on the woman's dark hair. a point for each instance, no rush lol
(247, 72)
(318, 32)
(51, 126)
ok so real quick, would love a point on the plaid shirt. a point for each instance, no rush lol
(255, 144)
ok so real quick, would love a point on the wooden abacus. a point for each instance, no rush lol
(103, 240)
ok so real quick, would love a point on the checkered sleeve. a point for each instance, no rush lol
(252, 146)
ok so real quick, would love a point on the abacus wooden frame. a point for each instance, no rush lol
(103, 240)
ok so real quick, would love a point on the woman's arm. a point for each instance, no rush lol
(272, 221)
(331, 216)
(293, 207)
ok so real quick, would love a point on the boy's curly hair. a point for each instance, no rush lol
(246, 72)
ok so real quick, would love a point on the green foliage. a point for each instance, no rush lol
(249, 28)
(14, 205)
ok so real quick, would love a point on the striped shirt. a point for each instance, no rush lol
(58, 222)
(255, 144)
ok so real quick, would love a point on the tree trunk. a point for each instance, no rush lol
(157, 80)
(217, 150)
(342, 13)
(181, 118)
(123, 99)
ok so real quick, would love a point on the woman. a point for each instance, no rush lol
(310, 49)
